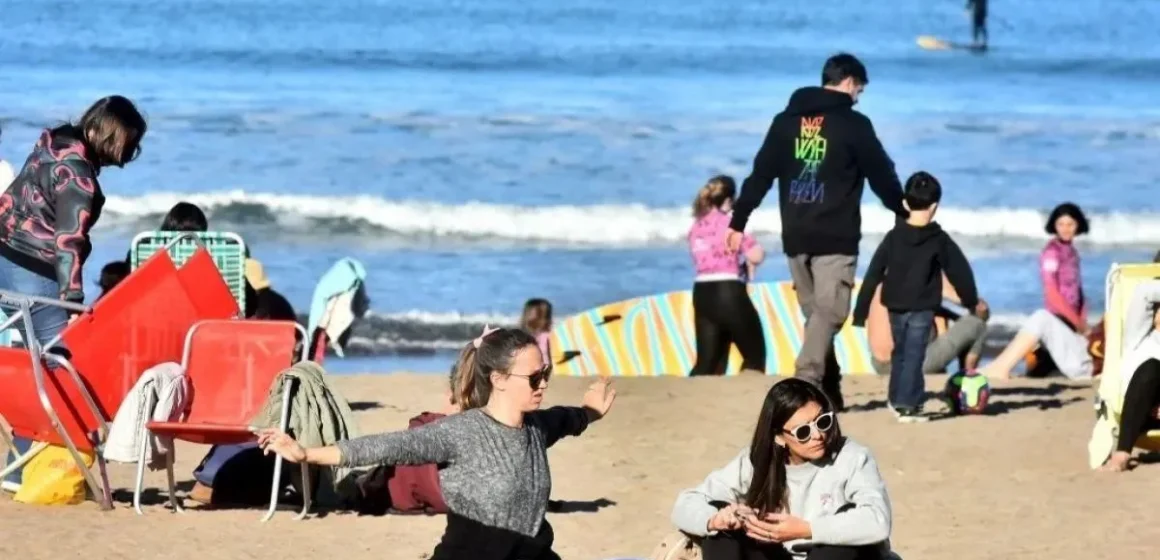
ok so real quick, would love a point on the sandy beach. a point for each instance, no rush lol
(1012, 484)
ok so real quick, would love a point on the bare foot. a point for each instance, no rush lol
(1118, 462)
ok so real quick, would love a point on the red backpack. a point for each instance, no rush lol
(403, 488)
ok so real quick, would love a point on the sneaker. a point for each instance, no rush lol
(908, 415)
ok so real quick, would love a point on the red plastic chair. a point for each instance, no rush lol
(230, 367)
(68, 402)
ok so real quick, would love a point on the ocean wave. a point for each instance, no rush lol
(602, 225)
(426, 333)
(444, 333)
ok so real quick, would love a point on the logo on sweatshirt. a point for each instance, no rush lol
(810, 149)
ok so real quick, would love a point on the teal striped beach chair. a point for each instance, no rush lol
(227, 249)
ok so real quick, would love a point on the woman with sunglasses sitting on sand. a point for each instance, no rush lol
(496, 479)
(799, 491)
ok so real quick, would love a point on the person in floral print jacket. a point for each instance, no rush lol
(46, 214)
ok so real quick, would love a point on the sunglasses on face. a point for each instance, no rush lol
(538, 377)
(822, 424)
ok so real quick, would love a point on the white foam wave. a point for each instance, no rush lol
(602, 224)
(449, 318)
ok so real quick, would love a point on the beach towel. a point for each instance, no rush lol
(339, 298)
(168, 385)
(319, 416)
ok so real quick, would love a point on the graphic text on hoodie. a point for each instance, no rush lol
(810, 149)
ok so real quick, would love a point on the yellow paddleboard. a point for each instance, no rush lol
(932, 43)
(654, 335)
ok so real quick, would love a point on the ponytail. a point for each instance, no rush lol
(715, 192)
(463, 380)
(471, 375)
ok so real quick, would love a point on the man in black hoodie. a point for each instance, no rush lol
(910, 264)
(821, 151)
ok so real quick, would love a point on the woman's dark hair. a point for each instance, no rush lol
(185, 216)
(537, 315)
(111, 275)
(112, 129)
(475, 365)
(1072, 211)
(767, 489)
(714, 194)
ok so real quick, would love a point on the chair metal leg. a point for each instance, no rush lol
(23, 459)
(141, 458)
(284, 425)
(39, 375)
(103, 468)
(274, 490)
(307, 493)
(142, 455)
(174, 502)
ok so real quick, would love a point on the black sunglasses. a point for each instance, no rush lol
(823, 423)
(538, 377)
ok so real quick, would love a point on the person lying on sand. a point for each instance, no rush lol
(496, 480)
(801, 490)
(1140, 373)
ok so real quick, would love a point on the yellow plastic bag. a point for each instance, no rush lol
(52, 478)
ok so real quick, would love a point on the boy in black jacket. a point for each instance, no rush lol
(909, 263)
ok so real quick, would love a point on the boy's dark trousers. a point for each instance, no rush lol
(911, 331)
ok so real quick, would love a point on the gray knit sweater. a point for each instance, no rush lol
(491, 473)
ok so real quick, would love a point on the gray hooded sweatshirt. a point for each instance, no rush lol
(816, 492)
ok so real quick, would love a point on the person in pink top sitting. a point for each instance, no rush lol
(1062, 326)
(723, 313)
(536, 320)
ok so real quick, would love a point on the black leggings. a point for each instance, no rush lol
(1142, 397)
(737, 546)
(723, 315)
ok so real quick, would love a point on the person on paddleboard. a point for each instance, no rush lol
(978, 11)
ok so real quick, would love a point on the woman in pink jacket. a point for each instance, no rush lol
(723, 314)
(1061, 327)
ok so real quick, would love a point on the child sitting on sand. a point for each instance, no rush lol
(537, 321)
(910, 263)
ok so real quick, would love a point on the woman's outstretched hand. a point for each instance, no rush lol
(599, 397)
(274, 441)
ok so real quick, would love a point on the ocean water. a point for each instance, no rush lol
(474, 154)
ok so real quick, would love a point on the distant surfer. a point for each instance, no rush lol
(978, 11)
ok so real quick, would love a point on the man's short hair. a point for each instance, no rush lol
(842, 66)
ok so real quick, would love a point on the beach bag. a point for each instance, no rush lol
(52, 478)
(677, 546)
